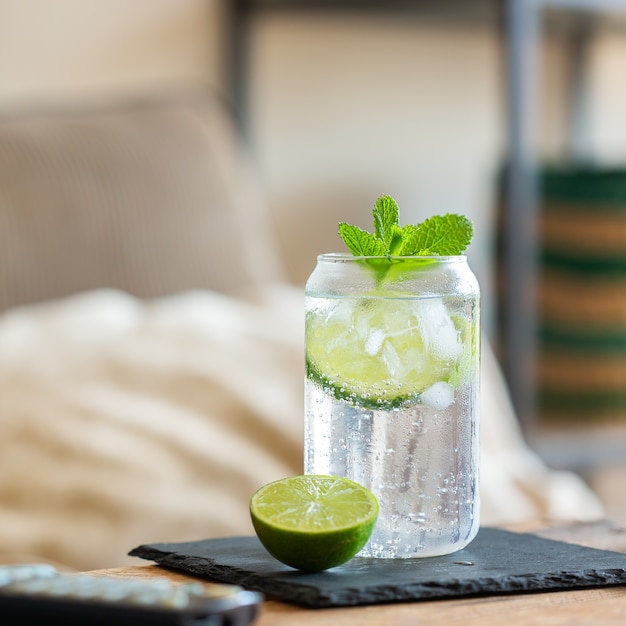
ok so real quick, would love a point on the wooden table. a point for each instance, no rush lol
(597, 607)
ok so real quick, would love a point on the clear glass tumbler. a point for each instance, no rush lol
(392, 392)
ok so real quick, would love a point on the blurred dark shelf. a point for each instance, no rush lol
(459, 10)
(558, 13)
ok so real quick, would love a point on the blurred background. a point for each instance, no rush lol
(339, 102)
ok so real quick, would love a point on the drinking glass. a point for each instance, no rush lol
(392, 392)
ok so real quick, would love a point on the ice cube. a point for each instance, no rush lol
(438, 396)
(341, 311)
(374, 342)
(393, 362)
(440, 334)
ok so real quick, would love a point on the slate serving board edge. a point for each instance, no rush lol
(299, 589)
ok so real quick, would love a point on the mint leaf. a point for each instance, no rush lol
(396, 239)
(441, 235)
(360, 242)
(410, 241)
(386, 220)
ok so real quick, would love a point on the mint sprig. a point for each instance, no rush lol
(440, 235)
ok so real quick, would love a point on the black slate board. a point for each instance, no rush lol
(496, 562)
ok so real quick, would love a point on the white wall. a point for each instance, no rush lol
(347, 109)
(607, 88)
(75, 48)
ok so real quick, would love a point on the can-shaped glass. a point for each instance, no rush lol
(392, 394)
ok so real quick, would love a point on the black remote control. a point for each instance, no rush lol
(39, 594)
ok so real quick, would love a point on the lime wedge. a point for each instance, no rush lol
(313, 522)
(381, 352)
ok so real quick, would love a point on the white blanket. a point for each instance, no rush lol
(125, 422)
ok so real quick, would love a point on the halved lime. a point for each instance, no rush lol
(380, 352)
(313, 522)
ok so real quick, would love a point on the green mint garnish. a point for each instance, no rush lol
(440, 235)
(360, 242)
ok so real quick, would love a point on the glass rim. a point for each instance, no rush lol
(345, 257)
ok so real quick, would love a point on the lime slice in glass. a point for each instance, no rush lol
(381, 352)
(313, 522)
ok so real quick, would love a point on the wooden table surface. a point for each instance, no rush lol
(598, 606)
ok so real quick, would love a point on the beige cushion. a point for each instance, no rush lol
(151, 197)
(126, 421)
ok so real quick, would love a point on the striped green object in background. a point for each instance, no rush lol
(582, 296)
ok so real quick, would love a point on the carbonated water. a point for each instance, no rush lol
(391, 402)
